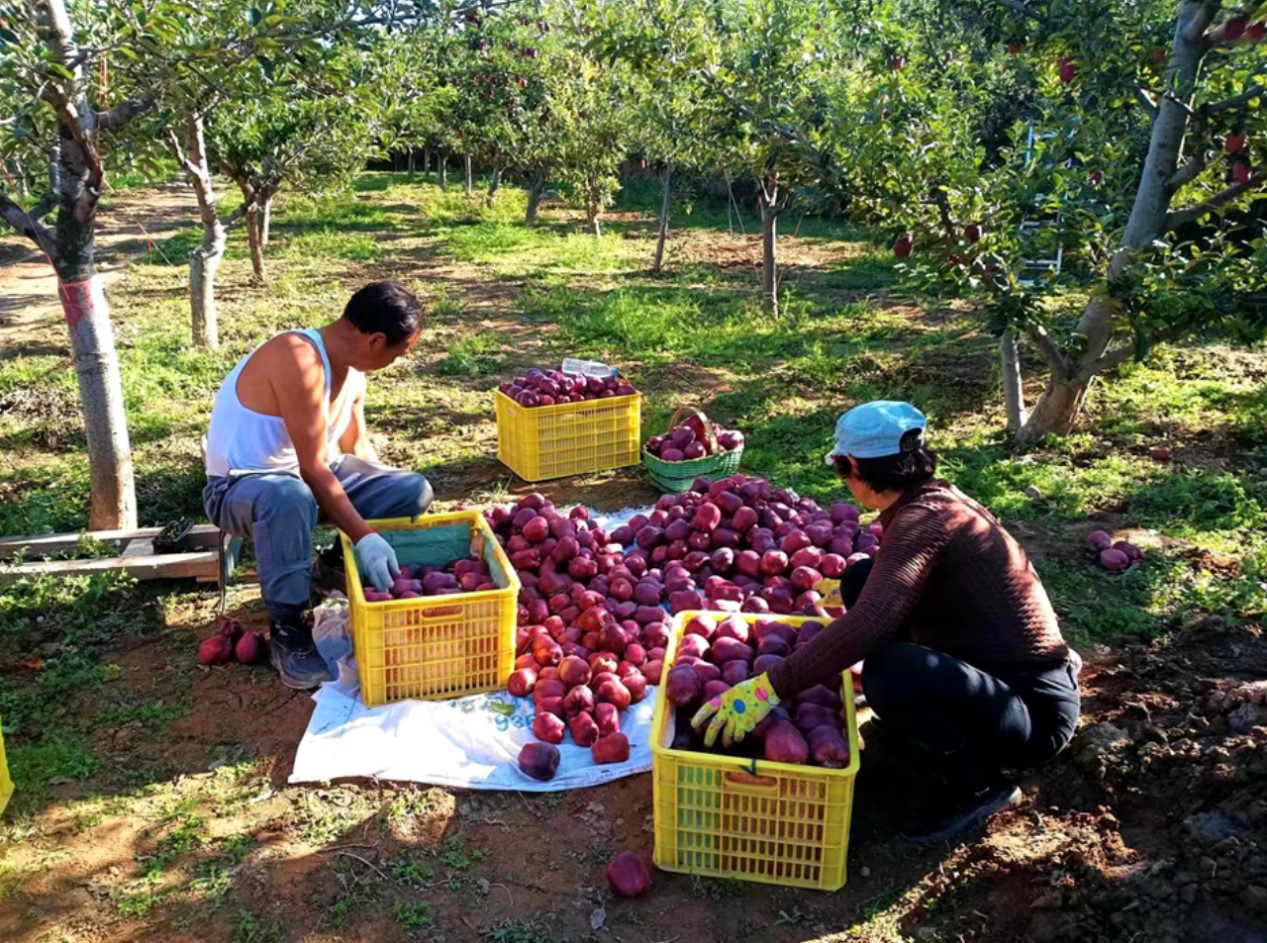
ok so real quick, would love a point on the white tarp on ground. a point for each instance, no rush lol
(470, 742)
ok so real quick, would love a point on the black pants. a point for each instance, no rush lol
(982, 717)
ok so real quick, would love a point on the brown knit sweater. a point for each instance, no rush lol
(948, 573)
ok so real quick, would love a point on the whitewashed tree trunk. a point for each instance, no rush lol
(113, 500)
(253, 232)
(204, 261)
(769, 251)
(666, 188)
(1057, 409)
(1013, 391)
(466, 166)
(493, 185)
(77, 178)
(444, 170)
(266, 220)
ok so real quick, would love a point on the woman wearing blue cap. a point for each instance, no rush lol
(963, 653)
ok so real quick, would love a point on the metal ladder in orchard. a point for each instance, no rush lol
(1033, 269)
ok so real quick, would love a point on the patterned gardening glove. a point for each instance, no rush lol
(735, 713)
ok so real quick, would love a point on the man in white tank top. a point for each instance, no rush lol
(288, 440)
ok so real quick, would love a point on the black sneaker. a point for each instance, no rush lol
(942, 822)
(328, 574)
(295, 657)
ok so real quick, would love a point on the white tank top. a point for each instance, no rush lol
(242, 440)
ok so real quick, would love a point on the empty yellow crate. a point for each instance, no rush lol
(6, 784)
(439, 646)
(754, 820)
(544, 442)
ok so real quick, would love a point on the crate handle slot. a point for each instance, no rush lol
(741, 778)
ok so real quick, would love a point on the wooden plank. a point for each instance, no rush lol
(201, 536)
(201, 564)
(140, 547)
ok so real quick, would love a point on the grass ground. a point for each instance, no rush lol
(151, 798)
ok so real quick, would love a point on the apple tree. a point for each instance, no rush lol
(769, 67)
(1131, 159)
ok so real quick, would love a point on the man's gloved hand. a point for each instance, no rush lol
(735, 713)
(376, 560)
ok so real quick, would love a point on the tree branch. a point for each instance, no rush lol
(1110, 360)
(1195, 32)
(1047, 347)
(1193, 167)
(122, 113)
(1147, 103)
(173, 144)
(1019, 6)
(21, 220)
(1177, 218)
(69, 119)
(1187, 173)
(1254, 91)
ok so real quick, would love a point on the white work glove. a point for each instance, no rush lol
(376, 560)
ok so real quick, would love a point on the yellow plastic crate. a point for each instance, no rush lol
(754, 820)
(546, 442)
(6, 784)
(440, 646)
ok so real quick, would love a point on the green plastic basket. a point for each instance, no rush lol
(677, 477)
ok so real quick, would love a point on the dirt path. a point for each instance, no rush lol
(134, 224)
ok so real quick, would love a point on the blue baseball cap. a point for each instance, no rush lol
(877, 429)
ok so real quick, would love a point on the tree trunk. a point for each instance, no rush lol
(113, 502)
(1058, 407)
(769, 254)
(253, 231)
(426, 161)
(205, 260)
(1013, 390)
(666, 188)
(493, 186)
(77, 179)
(203, 265)
(410, 165)
(535, 192)
(1056, 411)
(266, 219)
(444, 170)
(594, 216)
(466, 165)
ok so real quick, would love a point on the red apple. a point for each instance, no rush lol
(1234, 28)
(902, 248)
(1068, 71)
(972, 232)
(1235, 143)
